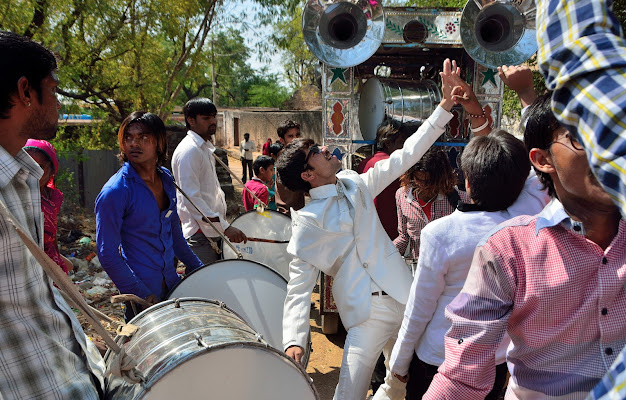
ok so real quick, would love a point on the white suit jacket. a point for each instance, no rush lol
(357, 257)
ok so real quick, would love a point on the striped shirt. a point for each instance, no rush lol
(412, 218)
(42, 345)
(583, 57)
(559, 296)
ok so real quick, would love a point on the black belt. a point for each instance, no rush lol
(382, 293)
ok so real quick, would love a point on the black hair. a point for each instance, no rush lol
(290, 165)
(262, 162)
(496, 167)
(391, 129)
(285, 126)
(21, 57)
(275, 148)
(198, 106)
(539, 133)
(154, 125)
(441, 177)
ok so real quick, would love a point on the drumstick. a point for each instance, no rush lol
(266, 240)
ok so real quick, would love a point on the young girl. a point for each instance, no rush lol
(51, 198)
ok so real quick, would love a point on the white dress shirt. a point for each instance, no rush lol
(247, 148)
(193, 166)
(446, 250)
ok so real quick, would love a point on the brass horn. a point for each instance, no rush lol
(499, 32)
(343, 33)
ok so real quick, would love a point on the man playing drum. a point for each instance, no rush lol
(339, 233)
(44, 353)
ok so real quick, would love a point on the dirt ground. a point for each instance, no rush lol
(325, 358)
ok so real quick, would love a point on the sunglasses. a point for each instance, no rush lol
(315, 149)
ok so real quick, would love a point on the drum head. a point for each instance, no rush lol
(252, 290)
(371, 108)
(240, 371)
(265, 225)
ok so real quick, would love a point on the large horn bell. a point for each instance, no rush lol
(499, 32)
(343, 33)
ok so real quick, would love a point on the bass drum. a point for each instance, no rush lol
(270, 225)
(252, 290)
(406, 102)
(199, 349)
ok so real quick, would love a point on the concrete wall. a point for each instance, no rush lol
(262, 125)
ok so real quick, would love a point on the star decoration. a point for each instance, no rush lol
(489, 76)
(338, 73)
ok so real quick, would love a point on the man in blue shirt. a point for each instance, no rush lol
(138, 229)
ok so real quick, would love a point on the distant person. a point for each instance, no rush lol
(138, 232)
(285, 198)
(193, 165)
(274, 150)
(266, 147)
(45, 155)
(263, 173)
(44, 352)
(247, 147)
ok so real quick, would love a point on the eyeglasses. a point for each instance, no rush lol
(315, 149)
(575, 143)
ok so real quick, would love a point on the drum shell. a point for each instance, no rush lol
(192, 330)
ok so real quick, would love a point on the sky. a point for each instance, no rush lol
(232, 11)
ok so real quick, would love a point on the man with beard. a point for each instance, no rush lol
(44, 353)
(193, 165)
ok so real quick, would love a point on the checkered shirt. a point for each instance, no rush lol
(583, 58)
(559, 296)
(412, 219)
(613, 385)
(41, 341)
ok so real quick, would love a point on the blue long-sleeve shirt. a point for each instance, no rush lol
(137, 242)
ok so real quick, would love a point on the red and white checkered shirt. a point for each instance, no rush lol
(412, 219)
(560, 297)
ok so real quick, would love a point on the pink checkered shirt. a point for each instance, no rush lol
(412, 219)
(561, 299)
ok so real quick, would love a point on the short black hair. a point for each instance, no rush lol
(275, 148)
(496, 167)
(285, 126)
(262, 162)
(21, 57)
(290, 165)
(391, 128)
(198, 106)
(541, 123)
(154, 124)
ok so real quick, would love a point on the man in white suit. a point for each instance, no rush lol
(339, 233)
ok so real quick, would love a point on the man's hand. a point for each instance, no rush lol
(448, 81)
(295, 352)
(403, 379)
(235, 235)
(152, 299)
(519, 78)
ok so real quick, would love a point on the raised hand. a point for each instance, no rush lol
(449, 77)
(519, 78)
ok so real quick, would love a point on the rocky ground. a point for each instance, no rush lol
(77, 234)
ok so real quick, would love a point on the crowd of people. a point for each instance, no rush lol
(520, 256)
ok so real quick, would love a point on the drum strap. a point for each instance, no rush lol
(67, 288)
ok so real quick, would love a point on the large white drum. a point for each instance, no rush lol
(254, 291)
(269, 225)
(404, 101)
(200, 349)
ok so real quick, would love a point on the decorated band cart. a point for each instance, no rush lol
(384, 63)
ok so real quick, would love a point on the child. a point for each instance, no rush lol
(263, 168)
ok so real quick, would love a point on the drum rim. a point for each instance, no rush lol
(266, 210)
(167, 296)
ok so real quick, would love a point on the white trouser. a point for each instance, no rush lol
(362, 347)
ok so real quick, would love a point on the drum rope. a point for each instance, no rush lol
(67, 288)
(208, 221)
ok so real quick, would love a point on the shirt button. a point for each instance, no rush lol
(605, 311)
(365, 265)
(604, 260)
(577, 228)
(608, 351)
